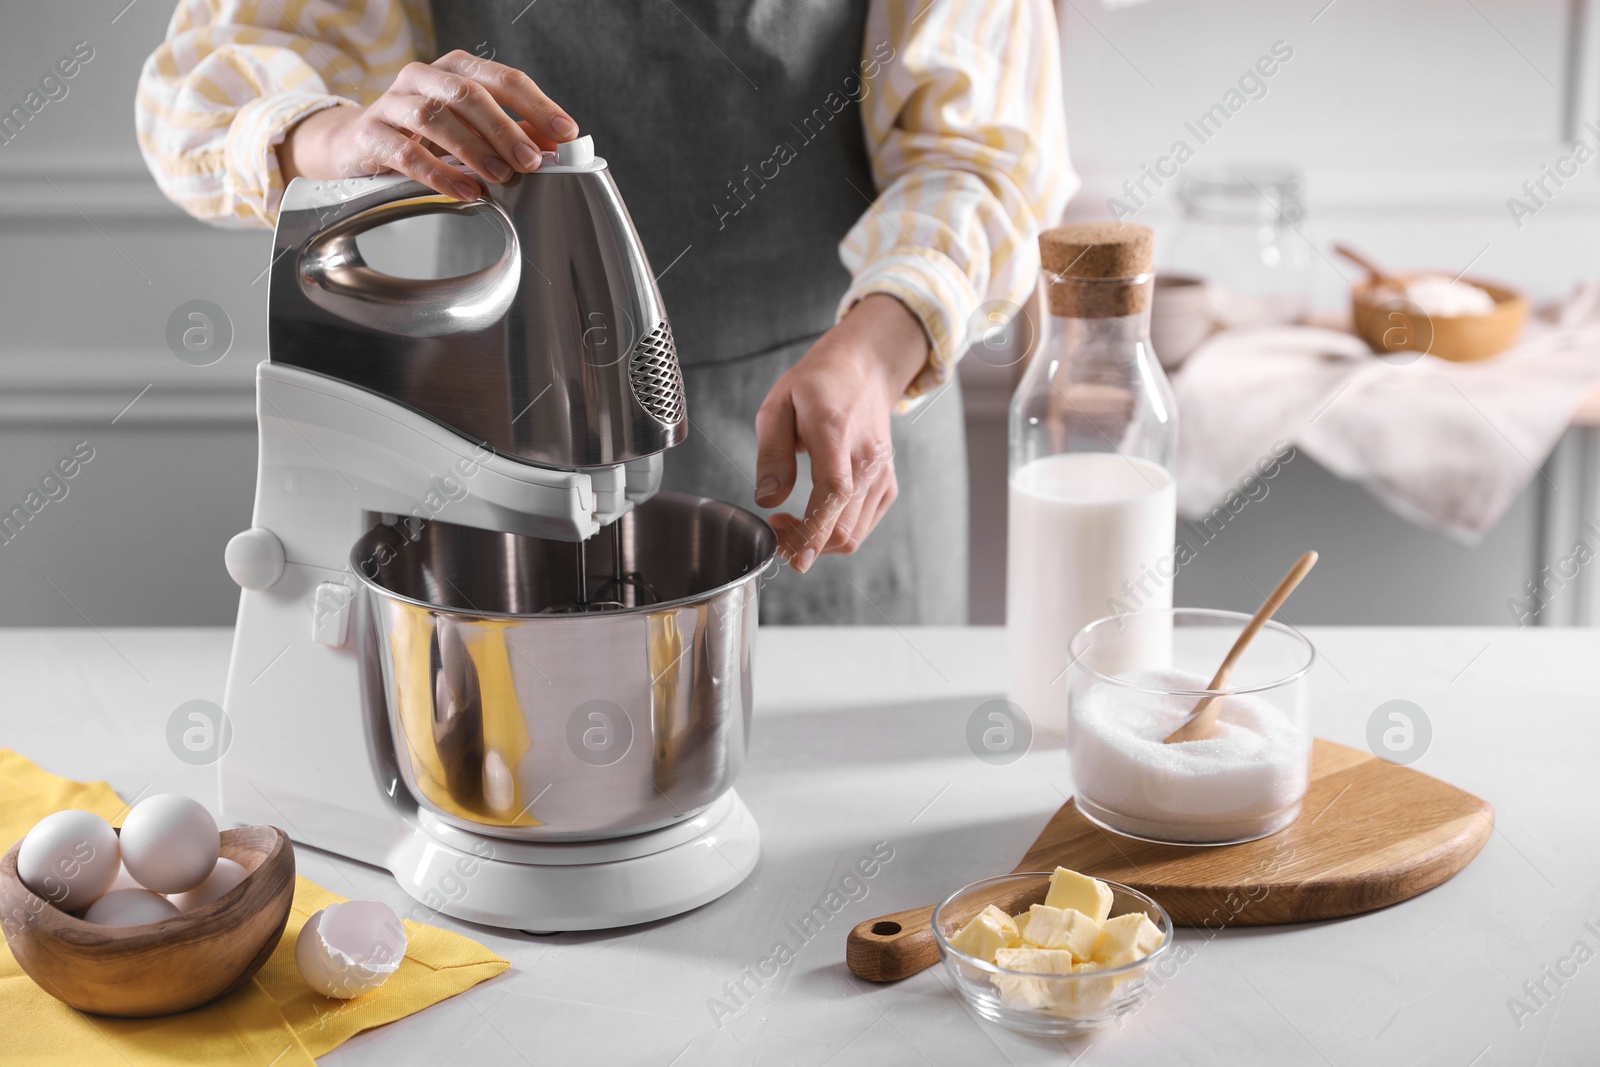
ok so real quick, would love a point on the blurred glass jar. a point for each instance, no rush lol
(1239, 230)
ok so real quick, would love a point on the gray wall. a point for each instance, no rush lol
(93, 262)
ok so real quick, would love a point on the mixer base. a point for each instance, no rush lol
(593, 885)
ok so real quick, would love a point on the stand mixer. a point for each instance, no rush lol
(475, 645)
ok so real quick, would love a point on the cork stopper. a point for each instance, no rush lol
(1101, 253)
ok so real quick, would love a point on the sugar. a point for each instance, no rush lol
(1436, 294)
(1235, 783)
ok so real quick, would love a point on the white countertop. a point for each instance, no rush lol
(859, 738)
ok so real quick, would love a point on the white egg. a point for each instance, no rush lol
(223, 877)
(169, 843)
(124, 880)
(69, 858)
(130, 907)
(349, 949)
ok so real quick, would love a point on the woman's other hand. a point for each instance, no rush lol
(835, 405)
(452, 106)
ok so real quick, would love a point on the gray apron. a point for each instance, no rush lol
(733, 130)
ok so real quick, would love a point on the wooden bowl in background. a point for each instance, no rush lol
(158, 968)
(1388, 323)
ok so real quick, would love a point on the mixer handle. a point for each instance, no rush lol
(334, 276)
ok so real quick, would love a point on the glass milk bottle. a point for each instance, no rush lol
(1093, 443)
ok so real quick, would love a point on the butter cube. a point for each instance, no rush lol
(1028, 993)
(1125, 939)
(1034, 960)
(1022, 925)
(1069, 889)
(988, 932)
(1062, 996)
(1089, 995)
(1057, 928)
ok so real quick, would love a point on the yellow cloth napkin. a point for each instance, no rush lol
(276, 1020)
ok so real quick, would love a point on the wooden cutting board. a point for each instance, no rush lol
(1370, 833)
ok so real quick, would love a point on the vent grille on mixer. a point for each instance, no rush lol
(657, 381)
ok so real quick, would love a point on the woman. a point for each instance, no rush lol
(828, 190)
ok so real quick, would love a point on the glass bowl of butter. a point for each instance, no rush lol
(1053, 953)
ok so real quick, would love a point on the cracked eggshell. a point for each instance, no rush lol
(349, 949)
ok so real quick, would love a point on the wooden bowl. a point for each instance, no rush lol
(1389, 323)
(158, 968)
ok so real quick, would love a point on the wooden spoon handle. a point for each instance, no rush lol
(1204, 716)
(1378, 274)
(900, 944)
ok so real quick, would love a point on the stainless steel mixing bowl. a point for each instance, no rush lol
(510, 720)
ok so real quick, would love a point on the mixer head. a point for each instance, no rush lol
(557, 353)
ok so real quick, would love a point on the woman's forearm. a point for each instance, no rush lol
(216, 98)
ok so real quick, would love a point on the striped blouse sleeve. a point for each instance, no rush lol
(215, 100)
(966, 130)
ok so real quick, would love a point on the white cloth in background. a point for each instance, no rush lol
(1446, 445)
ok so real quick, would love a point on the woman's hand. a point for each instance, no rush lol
(452, 106)
(835, 405)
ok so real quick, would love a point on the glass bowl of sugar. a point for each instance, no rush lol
(1137, 676)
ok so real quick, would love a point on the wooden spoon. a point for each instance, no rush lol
(1199, 724)
(1380, 277)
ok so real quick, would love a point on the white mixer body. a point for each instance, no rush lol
(312, 750)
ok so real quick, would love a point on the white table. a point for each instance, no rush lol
(860, 738)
